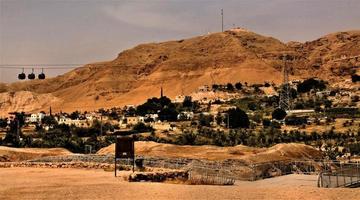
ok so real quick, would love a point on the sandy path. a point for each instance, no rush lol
(45, 183)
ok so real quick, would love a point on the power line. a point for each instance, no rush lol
(40, 66)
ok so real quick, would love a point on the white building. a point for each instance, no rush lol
(163, 126)
(75, 122)
(204, 88)
(154, 117)
(185, 115)
(35, 118)
(134, 120)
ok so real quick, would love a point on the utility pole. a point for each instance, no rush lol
(222, 20)
(17, 131)
(101, 124)
(228, 121)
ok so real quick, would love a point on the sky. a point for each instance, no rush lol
(85, 31)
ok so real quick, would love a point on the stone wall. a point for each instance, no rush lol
(79, 165)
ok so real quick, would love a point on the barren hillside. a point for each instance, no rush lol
(182, 66)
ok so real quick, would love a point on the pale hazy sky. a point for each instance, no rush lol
(84, 31)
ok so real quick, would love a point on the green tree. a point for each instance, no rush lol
(74, 115)
(215, 87)
(266, 122)
(14, 134)
(187, 103)
(49, 120)
(252, 106)
(205, 120)
(237, 118)
(186, 138)
(278, 114)
(141, 128)
(219, 118)
(309, 84)
(168, 113)
(293, 93)
(229, 87)
(155, 105)
(355, 78)
(238, 86)
(3, 122)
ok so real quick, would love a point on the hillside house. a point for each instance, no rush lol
(134, 120)
(84, 123)
(322, 94)
(163, 126)
(152, 117)
(204, 88)
(35, 118)
(185, 115)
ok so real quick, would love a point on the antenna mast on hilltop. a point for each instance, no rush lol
(222, 20)
(284, 102)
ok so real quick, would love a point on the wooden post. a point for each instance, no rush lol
(357, 170)
(337, 180)
(133, 169)
(115, 166)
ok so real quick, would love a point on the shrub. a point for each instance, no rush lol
(309, 84)
(252, 106)
(186, 138)
(215, 87)
(187, 103)
(295, 121)
(355, 78)
(229, 87)
(237, 118)
(279, 114)
(219, 118)
(238, 86)
(205, 120)
(266, 122)
(354, 148)
(141, 128)
(3, 122)
(49, 120)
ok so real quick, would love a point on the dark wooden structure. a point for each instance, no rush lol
(125, 149)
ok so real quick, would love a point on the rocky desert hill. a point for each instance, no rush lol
(182, 66)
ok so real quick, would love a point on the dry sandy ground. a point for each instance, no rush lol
(45, 183)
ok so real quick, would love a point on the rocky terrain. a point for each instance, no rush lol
(181, 153)
(239, 162)
(181, 66)
(240, 152)
(9, 154)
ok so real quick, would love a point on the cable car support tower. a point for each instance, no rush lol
(284, 102)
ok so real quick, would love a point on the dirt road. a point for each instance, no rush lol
(47, 183)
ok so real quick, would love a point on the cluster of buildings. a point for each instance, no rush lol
(86, 120)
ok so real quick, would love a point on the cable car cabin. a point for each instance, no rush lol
(22, 76)
(31, 76)
(41, 76)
